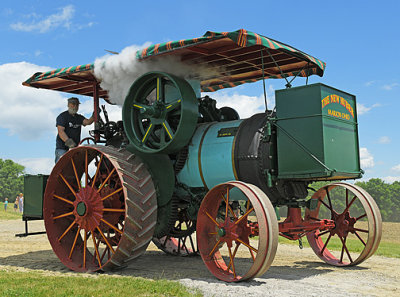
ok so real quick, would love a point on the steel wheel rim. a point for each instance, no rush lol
(345, 225)
(213, 234)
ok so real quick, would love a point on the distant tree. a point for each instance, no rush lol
(11, 179)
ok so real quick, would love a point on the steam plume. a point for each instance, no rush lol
(118, 72)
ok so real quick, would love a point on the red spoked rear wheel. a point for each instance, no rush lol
(237, 231)
(100, 208)
(358, 225)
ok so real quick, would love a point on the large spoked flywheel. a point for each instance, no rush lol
(237, 231)
(100, 208)
(160, 113)
(358, 224)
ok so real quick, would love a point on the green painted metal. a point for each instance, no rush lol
(34, 187)
(81, 209)
(165, 123)
(317, 134)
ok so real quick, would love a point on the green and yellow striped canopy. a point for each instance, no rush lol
(233, 58)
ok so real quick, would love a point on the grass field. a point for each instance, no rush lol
(9, 214)
(39, 284)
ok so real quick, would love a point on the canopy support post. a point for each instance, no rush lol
(263, 79)
(288, 85)
(308, 65)
(96, 111)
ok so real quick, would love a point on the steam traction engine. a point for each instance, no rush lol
(178, 166)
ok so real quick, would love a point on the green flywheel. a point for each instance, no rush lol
(160, 113)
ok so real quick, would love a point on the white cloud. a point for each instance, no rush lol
(389, 87)
(362, 109)
(396, 168)
(61, 19)
(245, 105)
(24, 111)
(385, 139)
(391, 179)
(366, 158)
(37, 165)
(369, 83)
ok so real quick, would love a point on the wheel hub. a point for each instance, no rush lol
(88, 208)
(81, 208)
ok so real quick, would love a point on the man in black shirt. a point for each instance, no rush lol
(69, 125)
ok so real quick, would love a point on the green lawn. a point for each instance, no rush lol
(40, 284)
(9, 214)
(386, 248)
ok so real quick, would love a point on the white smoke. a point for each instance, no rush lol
(118, 72)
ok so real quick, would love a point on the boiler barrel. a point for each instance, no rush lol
(226, 151)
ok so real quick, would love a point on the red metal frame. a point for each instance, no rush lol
(96, 110)
(294, 226)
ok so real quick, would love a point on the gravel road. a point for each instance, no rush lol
(294, 272)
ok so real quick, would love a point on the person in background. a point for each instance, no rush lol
(5, 204)
(16, 204)
(21, 202)
(69, 124)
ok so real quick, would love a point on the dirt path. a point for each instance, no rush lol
(294, 272)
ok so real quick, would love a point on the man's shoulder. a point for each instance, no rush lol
(63, 114)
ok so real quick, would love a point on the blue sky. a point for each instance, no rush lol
(359, 41)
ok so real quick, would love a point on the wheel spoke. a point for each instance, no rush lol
(351, 202)
(252, 254)
(342, 253)
(347, 197)
(244, 216)
(158, 89)
(97, 171)
(168, 130)
(113, 193)
(84, 249)
(63, 199)
(139, 106)
(329, 199)
(97, 250)
(110, 225)
(361, 230)
(233, 255)
(231, 261)
(172, 106)
(360, 217)
(148, 132)
(323, 233)
(66, 231)
(105, 239)
(106, 180)
(63, 215)
(358, 236)
(345, 248)
(215, 246)
(73, 245)
(326, 205)
(248, 245)
(68, 185)
(211, 218)
(76, 174)
(113, 209)
(326, 243)
(229, 208)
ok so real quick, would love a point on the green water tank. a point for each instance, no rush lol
(34, 187)
(317, 134)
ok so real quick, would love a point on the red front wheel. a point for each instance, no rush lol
(237, 231)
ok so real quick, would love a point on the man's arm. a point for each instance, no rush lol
(88, 121)
(62, 134)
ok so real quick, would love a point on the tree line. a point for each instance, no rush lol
(11, 179)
